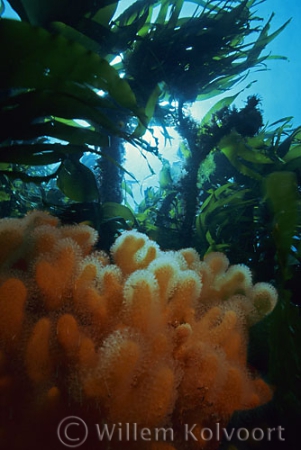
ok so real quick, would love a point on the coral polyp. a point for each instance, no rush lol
(140, 337)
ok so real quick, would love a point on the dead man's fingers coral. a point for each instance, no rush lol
(146, 336)
(133, 250)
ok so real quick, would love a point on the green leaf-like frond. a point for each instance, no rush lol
(281, 190)
(33, 58)
(76, 181)
(47, 82)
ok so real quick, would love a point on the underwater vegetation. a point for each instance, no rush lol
(77, 315)
(150, 338)
(55, 69)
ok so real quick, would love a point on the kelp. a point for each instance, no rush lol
(202, 140)
(165, 55)
(234, 195)
(85, 188)
(41, 13)
(159, 43)
(48, 82)
(281, 190)
(212, 222)
(259, 174)
(55, 75)
(177, 49)
(33, 59)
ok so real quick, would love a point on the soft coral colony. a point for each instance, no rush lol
(147, 337)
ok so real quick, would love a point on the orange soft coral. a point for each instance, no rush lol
(156, 339)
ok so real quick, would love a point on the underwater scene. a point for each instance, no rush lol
(150, 225)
